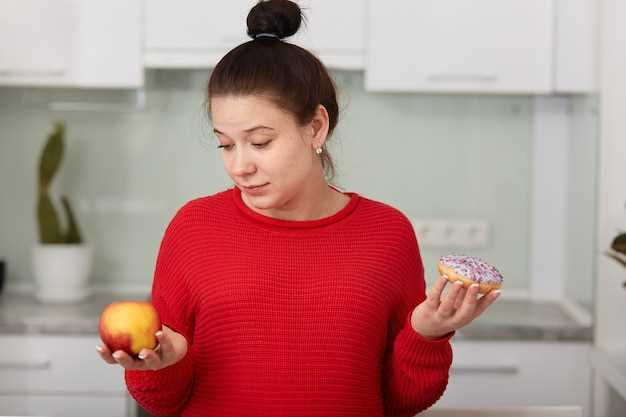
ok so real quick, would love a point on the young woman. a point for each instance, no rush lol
(284, 296)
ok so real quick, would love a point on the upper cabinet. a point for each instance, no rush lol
(71, 43)
(576, 46)
(37, 39)
(483, 46)
(454, 46)
(492, 46)
(190, 33)
(335, 32)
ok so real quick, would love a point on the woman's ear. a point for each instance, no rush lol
(319, 126)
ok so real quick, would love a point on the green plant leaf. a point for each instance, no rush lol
(49, 227)
(616, 257)
(73, 232)
(51, 155)
(619, 243)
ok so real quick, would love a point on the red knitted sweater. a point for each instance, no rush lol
(292, 318)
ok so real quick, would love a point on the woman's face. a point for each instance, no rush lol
(263, 144)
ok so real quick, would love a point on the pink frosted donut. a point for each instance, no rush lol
(470, 270)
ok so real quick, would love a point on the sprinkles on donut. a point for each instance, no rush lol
(470, 270)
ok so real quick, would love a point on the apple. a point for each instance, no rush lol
(129, 326)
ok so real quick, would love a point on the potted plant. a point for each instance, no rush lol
(61, 260)
(618, 250)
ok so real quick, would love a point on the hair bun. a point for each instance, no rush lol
(279, 17)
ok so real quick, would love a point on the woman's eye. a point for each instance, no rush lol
(257, 145)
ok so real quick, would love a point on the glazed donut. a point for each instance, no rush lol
(470, 270)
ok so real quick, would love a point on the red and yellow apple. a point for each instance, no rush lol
(129, 326)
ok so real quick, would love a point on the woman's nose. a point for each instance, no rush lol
(242, 164)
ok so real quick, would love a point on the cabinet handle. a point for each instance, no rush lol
(485, 369)
(6, 72)
(481, 78)
(34, 366)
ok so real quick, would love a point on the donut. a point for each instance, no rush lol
(470, 270)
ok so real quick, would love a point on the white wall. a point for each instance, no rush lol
(610, 306)
(455, 156)
(611, 297)
(458, 156)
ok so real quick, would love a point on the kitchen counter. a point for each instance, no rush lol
(506, 319)
(511, 319)
(534, 411)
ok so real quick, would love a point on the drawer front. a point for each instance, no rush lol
(492, 374)
(56, 364)
(64, 406)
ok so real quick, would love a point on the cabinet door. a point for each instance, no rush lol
(191, 33)
(64, 405)
(111, 49)
(334, 31)
(71, 43)
(516, 374)
(56, 364)
(576, 51)
(37, 40)
(483, 46)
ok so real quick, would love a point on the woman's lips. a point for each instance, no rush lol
(255, 189)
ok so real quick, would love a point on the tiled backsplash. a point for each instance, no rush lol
(457, 156)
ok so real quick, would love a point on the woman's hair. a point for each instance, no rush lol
(290, 76)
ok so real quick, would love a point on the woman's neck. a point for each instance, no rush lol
(314, 203)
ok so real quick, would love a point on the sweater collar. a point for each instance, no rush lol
(295, 224)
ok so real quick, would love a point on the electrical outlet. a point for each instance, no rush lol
(441, 232)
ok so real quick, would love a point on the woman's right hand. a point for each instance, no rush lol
(171, 348)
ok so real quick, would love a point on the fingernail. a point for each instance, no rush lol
(142, 355)
(458, 283)
(497, 293)
(99, 349)
(117, 355)
(159, 333)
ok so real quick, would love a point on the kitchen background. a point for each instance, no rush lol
(496, 127)
(431, 156)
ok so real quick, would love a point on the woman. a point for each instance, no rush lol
(284, 296)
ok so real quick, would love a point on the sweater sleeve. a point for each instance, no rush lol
(415, 369)
(166, 391)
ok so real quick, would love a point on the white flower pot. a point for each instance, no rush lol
(62, 271)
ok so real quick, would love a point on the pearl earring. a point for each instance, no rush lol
(318, 151)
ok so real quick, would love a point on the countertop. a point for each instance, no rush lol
(506, 319)
(531, 411)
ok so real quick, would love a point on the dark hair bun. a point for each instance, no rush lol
(279, 17)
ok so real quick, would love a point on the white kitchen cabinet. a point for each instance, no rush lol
(484, 46)
(71, 43)
(192, 34)
(37, 39)
(335, 32)
(59, 376)
(576, 46)
(63, 405)
(515, 374)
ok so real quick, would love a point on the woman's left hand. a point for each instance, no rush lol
(437, 316)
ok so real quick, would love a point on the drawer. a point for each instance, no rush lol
(64, 406)
(49, 364)
(493, 374)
